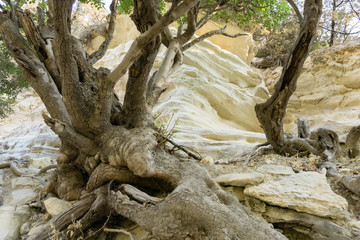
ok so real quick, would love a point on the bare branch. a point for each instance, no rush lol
(67, 133)
(297, 11)
(209, 34)
(142, 40)
(343, 33)
(157, 83)
(96, 56)
(191, 26)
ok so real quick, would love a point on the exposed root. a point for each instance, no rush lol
(352, 183)
(104, 173)
(138, 195)
(62, 220)
(4, 165)
(16, 169)
(44, 169)
(67, 182)
(119, 231)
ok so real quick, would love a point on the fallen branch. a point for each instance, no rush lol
(253, 151)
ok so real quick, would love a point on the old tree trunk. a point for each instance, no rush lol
(108, 147)
(271, 113)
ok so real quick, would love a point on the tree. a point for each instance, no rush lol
(106, 144)
(322, 141)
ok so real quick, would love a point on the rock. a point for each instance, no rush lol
(133, 234)
(208, 160)
(255, 204)
(318, 228)
(237, 192)
(275, 170)
(243, 46)
(40, 162)
(212, 126)
(21, 182)
(306, 192)
(54, 206)
(25, 228)
(1, 176)
(11, 219)
(240, 179)
(327, 89)
(20, 197)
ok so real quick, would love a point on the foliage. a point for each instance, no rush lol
(11, 80)
(268, 13)
(276, 44)
(96, 3)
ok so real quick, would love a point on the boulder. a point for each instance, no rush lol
(306, 192)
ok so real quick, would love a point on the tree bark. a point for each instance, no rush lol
(100, 151)
(272, 112)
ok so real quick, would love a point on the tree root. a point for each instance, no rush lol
(44, 169)
(250, 155)
(104, 173)
(90, 209)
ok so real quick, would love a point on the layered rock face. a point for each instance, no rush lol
(211, 98)
(328, 89)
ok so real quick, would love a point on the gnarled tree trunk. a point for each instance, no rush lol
(272, 112)
(105, 143)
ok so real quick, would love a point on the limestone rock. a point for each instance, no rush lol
(318, 228)
(20, 197)
(11, 219)
(237, 192)
(214, 126)
(276, 170)
(40, 162)
(240, 179)
(54, 206)
(21, 182)
(243, 46)
(304, 192)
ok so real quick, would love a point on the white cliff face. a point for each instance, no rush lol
(23, 134)
(211, 97)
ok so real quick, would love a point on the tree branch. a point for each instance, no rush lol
(34, 70)
(156, 29)
(297, 11)
(210, 34)
(67, 133)
(96, 56)
(191, 26)
(157, 84)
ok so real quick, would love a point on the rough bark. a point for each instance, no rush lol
(272, 112)
(105, 145)
(352, 142)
